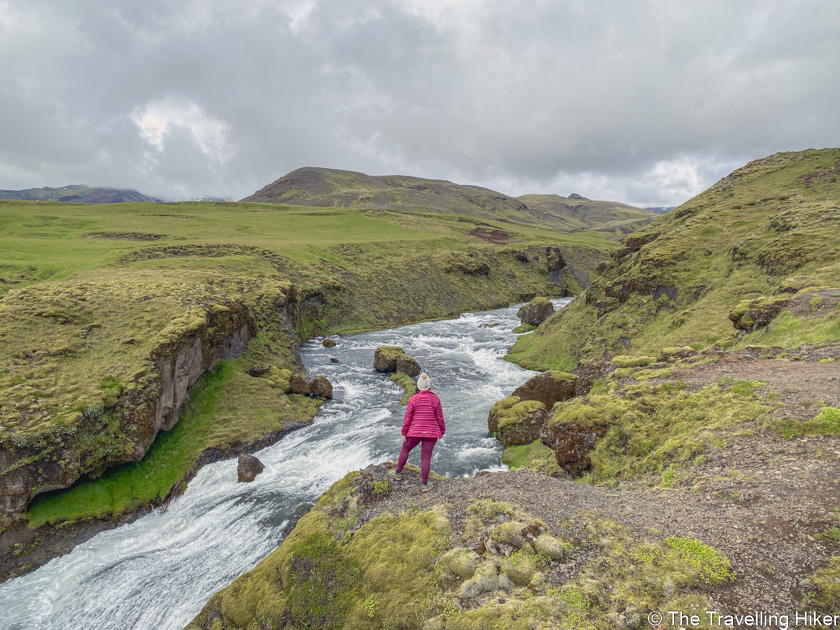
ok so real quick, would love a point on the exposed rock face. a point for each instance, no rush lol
(408, 365)
(248, 467)
(394, 359)
(596, 370)
(153, 406)
(514, 421)
(329, 343)
(299, 386)
(536, 311)
(548, 388)
(321, 387)
(571, 444)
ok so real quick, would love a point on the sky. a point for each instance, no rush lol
(646, 102)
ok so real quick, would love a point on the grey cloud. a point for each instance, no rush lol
(536, 96)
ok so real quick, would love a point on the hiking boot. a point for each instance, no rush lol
(396, 474)
(426, 487)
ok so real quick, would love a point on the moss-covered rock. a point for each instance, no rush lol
(548, 388)
(321, 387)
(408, 384)
(407, 365)
(536, 311)
(514, 421)
(534, 456)
(749, 315)
(676, 353)
(630, 362)
(552, 547)
(572, 444)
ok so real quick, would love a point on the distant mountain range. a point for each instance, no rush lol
(660, 209)
(325, 187)
(77, 194)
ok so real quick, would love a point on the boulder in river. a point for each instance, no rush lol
(394, 359)
(536, 311)
(321, 387)
(548, 388)
(329, 343)
(408, 365)
(248, 467)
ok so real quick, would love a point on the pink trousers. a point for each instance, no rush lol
(425, 454)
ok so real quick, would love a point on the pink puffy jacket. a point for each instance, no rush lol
(424, 416)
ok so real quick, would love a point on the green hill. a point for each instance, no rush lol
(78, 194)
(348, 189)
(758, 237)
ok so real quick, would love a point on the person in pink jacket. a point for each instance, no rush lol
(424, 425)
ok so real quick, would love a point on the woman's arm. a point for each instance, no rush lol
(439, 416)
(409, 416)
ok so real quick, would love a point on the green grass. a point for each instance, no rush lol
(651, 428)
(826, 422)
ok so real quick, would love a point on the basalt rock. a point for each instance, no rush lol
(536, 311)
(408, 365)
(394, 359)
(299, 386)
(548, 388)
(329, 343)
(514, 421)
(572, 444)
(248, 467)
(321, 387)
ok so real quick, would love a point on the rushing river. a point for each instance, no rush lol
(157, 572)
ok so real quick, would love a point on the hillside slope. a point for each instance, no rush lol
(77, 194)
(347, 189)
(714, 271)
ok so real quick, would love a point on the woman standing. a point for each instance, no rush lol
(423, 424)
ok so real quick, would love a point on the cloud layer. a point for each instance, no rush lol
(646, 102)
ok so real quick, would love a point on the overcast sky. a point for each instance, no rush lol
(646, 102)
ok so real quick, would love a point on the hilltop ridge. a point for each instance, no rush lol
(310, 186)
(77, 193)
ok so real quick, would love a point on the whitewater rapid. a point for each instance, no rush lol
(158, 572)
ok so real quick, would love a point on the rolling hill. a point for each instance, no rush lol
(348, 189)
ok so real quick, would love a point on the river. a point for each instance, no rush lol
(157, 572)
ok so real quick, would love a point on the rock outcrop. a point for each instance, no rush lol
(536, 311)
(752, 314)
(329, 343)
(514, 421)
(571, 444)
(248, 467)
(30, 467)
(591, 372)
(548, 388)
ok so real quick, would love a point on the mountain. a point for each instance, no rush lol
(78, 194)
(336, 188)
(660, 209)
(761, 238)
